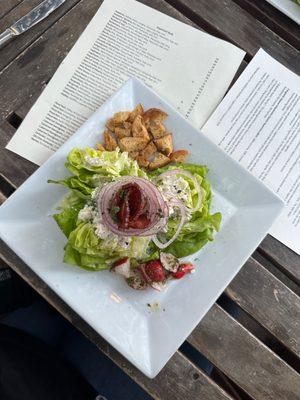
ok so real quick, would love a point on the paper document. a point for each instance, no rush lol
(189, 68)
(258, 124)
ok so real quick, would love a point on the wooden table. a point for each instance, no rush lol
(257, 352)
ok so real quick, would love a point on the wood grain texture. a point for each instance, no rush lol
(15, 47)
(7, 5)
(283, 257)
(231, 22)
(243, 358)
(180, 379)
(269, 302)
(13, 167)
(278, 22)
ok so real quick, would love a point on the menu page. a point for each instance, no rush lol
(258, 124)
(125, 38)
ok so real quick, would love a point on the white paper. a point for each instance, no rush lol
(258, 124)
(189, 68)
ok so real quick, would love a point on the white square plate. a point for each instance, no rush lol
(120, 314)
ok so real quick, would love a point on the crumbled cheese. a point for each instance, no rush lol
(87, 213)
(93, 161)
(104, 233)
(174, 186)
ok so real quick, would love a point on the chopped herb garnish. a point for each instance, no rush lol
(113, 212)
(160, 213)
(122, 193)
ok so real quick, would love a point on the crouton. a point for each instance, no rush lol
(121, 117)
(134, 113)
(160, 160)
(100, 147)
(157, 129)
(110, 125)
(179, 156)
(154, 114)
(138, 128)
(126, 125)
(149, 150)
(165, 144)
(109, 142)
(122, 132)
(133, 154)
(142, 161)
(132, 143)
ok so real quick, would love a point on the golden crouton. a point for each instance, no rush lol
(157, 129)
(134, 113)
(142, 161)
(122, 132)
(109, 142)
(110, 124)
(154, 114)
(160, 160)
(126, 125)
(100, 147)
(148, 151)
(179, 156)
(165, 144)
(132, 143)
(138, 128)
(133, 154)
(121, 117)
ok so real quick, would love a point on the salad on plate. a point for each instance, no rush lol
(135, 206)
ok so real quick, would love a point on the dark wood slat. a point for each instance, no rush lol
(7, 5)
(273, 19)
(12, 167)
(243, 358)
(283, 257)
(179, 379)
(227, 20)
(269, 302)
(13, 49)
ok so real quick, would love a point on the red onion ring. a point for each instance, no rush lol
(188, 175)
(183, 217)
(155, 203)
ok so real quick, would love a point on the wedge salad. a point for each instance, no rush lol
(135, 222)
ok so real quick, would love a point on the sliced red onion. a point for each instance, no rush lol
(188, 175)
(183, 217)
(143, 273)
(156, 203)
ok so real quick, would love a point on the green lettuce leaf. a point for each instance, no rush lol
(88, 262)
(202, 225)
(67, 218)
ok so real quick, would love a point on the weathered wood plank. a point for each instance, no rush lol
(13, 49)
(36, 65)
(269, 302)
(273, 19)
(13, 167)
(7, 5)
(179, 379)
(227, 20)
(283, 257)
(243, 358)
